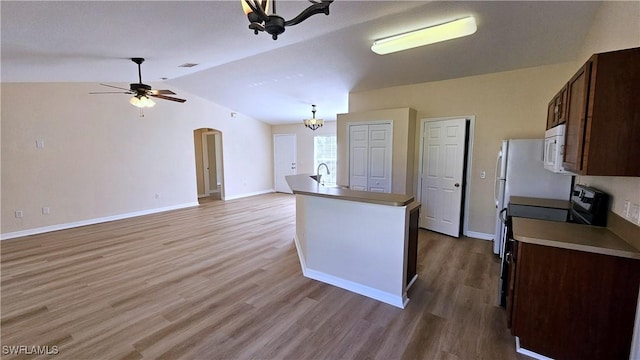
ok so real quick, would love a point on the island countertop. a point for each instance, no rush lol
(305, 185)
(594, 239)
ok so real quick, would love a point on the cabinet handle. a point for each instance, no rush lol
(456, 184)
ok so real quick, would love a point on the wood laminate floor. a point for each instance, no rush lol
(223, 281)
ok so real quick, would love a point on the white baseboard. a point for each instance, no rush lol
(479, 235)
(529, 353)
(74, 224)
(385, 297)
(240, 196)
(364, 290)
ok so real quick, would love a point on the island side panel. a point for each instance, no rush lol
(300, 239)
(360, 243)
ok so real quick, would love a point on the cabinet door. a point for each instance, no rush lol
(512, 259)
(577, 93)
(551, 114)
(573, 304)
(561, 101)
(557, 109)
(412, 246)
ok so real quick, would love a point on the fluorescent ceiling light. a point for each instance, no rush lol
(447, 31)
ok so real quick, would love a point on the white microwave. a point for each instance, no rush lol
(554, 149)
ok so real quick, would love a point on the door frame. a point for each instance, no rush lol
(219, 161)
(348, 145)
(466, 181)
(295, 156)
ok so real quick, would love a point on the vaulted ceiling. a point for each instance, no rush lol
(316, 62)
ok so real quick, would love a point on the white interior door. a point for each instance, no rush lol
(284, 148)
(358, 156)
(212, 167)
(212, 162)
(370, 155)
(443, 151)
(379, 179)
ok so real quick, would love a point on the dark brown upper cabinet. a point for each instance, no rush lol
(603, 116)
(557, 110)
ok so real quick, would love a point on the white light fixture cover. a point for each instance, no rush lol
(141, 101)
(313, 123)
(433, 34)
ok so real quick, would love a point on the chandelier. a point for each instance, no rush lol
(274, 24)
(313, 123)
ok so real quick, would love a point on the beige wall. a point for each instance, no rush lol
(505, 105)
(101, 159)
(616, 26)
(404, 121)
(304, 142)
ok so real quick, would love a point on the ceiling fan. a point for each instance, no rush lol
(141, 92)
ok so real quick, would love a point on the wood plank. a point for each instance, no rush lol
(223, 280)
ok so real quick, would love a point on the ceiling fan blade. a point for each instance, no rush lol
(168, 98)
(115, 87)
(161, 92)
(109, 92)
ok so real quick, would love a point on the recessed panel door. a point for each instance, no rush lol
(358, 156)
(379, 179)
(443, 152)
(284, 148)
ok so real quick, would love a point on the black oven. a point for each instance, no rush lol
(589, 206)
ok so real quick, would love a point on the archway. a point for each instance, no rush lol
(209, 164)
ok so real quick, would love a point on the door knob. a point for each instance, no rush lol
(456, 185)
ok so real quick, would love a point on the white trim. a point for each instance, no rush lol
(75, 224)
(240, 196)
(303, 263)
(479, 235)
(367, 291)
(385, 297)
(468, 172)
(529, 353)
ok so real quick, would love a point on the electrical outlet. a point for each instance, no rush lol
(46, 210)
(483, 174)
(19, 214)
(634, 213)
(625, 211)
(157, 196)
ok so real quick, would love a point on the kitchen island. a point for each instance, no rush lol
(360, 241)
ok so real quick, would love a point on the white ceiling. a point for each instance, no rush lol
(316, 62)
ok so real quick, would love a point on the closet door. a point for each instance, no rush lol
(379, 179)
(358, 156)
(370, 154)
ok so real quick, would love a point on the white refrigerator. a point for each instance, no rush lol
(520, 172)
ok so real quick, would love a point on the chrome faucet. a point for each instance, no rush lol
(318, 171)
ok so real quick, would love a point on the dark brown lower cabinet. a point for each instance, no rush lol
(568, 304)
(412, 248)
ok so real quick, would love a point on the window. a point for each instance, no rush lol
(325, 151)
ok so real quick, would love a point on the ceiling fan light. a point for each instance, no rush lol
(430, 35)
(148, 102)
(135, 101)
